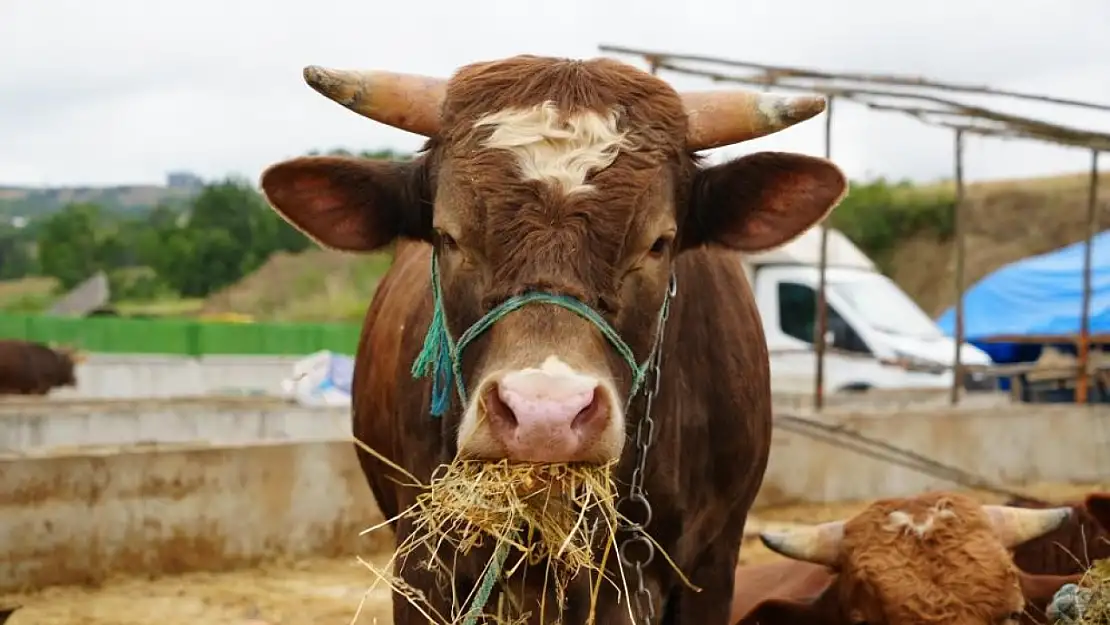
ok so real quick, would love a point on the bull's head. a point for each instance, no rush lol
(570, 179)
(935, 558)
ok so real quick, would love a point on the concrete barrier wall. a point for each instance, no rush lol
(78, 518)
(88, 488)
(1011, 445)
(126, 376)
(33, 426)
(91, 487)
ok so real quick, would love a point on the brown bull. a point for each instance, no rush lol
(1072, 547)
(573, 183)
(30, 368)
(934, 559)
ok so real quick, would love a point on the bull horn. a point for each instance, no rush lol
(407, 101)
(819, 544)
(1015, 526)
(718, 118)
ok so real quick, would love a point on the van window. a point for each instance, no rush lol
(798, 318)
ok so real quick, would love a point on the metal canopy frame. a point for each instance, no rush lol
(916, 97)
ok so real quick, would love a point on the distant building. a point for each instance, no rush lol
(183, 180)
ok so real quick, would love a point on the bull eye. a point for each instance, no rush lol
(445, 241)
(660, 246)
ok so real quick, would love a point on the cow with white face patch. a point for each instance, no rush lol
(567, 269)
(933, 559)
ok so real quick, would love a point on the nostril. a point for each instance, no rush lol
(593, 413)
(495, 408)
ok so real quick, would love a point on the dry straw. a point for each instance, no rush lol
(1096, 604)
(561, 515)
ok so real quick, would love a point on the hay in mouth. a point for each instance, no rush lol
(561, 515)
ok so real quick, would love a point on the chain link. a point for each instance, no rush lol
(645, 435)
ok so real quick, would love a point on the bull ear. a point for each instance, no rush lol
(761, 201)
(350, 204)
(1098, 504)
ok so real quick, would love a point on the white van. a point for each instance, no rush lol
(877, 336)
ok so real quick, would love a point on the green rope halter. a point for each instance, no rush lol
(441, 357)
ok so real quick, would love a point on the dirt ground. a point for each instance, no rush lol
(322, 592)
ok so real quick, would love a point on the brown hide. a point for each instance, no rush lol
(654, 209)
(927, 560)
(801, 593)
(1072, 547)
(29, 368)
(713, 431)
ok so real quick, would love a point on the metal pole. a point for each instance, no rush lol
(958, 231)
(1081, 385)
(822, 318)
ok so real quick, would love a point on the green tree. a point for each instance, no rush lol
(70, 244)
(17, 259)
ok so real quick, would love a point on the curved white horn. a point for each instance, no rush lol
(819, 544)
(717, 118)
(1015, 525)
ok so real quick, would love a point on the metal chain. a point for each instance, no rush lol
(645, 434)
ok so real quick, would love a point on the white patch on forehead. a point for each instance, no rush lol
(900, 520)
(548, 146)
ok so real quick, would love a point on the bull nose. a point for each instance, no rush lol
(545, 415)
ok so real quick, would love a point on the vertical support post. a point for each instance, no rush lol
(822, 318)
(1084, 348)
(958, 231)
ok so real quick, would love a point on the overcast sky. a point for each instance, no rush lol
(122, 91)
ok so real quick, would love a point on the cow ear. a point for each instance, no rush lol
(1098, 504)
(761, 201)
(350, 204)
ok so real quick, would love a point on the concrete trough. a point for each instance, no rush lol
(155, 488)
(92, 488)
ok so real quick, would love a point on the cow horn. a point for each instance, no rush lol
(407, 101)
(819, 544)
(1015, 526)
(718, 118)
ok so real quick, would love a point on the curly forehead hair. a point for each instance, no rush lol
(931, 559)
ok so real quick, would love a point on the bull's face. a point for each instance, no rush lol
(934, 559)
(566, 178)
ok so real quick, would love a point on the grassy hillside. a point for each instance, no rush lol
(314, 285)
(1006, 220)
(22, 201)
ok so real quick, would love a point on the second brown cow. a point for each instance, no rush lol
(31, 368)
(933, 559)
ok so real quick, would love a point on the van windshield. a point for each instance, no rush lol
(884, 306)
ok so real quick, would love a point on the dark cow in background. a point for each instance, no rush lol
(575, 181)
(934, 559)
(1073, 546)
(30, 368)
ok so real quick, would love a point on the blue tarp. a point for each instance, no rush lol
(1037, 295)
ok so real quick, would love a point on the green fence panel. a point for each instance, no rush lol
(182, 337)
(114, 335)
(340, 338)
(14, 326)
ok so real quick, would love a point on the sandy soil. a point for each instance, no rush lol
(312, 592)
(323, 592)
